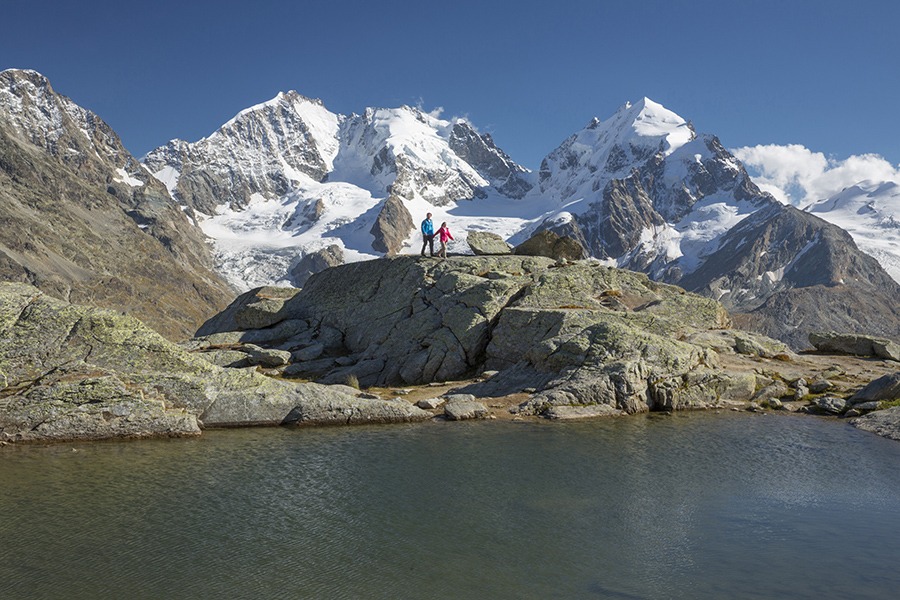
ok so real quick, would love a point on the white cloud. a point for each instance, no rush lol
(796, 175)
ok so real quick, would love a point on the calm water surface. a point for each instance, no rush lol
(690, 506)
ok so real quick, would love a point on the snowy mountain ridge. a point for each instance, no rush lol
(287, 177)
(642, 190)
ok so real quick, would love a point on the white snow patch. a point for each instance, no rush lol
(125, 178)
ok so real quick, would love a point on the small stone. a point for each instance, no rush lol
(820, 385)
(403, 392)
(430, 403)
(799, 383)
(830, 404)
(776, 404)
(489, 374)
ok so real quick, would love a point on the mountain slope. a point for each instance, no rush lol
(645, 192)
(870, 212)
(85, 222)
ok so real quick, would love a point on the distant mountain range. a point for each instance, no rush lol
(641, 190)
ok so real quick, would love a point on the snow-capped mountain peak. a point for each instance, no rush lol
(647, 122)
(609, 149)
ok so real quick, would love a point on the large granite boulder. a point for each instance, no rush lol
(859, 345)
(549, 244)
(74, 372)
(255, 309)
(392, 226)
(484, 243)
(578, 334)
(883, 389)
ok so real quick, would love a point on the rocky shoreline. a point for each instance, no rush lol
(516, 336)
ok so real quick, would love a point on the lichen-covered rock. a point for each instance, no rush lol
(255, 309)
(464, 407)
(829, 404)
(326, 411)
(589, 411)
(859, 345)
(549, 244)
(579, 333)
(392, 226)
(266, 357)
(74, 372)
(487, 243)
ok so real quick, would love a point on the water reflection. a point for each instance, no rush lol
(700, 506)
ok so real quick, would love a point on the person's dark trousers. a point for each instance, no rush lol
(428, 240)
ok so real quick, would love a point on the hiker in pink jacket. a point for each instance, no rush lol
(444, 236)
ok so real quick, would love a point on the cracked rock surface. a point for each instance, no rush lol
(72, 372)
(579, 333)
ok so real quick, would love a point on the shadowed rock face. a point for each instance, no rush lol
(73, 372)
(582, 333)
(330, 256)
(83, 221)
(392, 226)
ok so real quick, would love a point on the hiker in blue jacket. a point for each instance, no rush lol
(427, 234)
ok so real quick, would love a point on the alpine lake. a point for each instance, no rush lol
(690, 505)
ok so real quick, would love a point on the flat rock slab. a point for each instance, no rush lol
(462, 409)
(885, 423)
(566, 413)
(358, 411)
(859, 345)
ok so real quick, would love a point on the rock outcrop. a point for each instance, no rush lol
(551, 245)
(484, 243)
(85, 222)
(73, 372)
(885, 423)
(392, 226)
(578, 334)
(859, 345)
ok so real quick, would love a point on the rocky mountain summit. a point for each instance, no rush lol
(84, 221)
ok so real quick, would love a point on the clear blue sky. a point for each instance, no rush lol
(820, 73)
